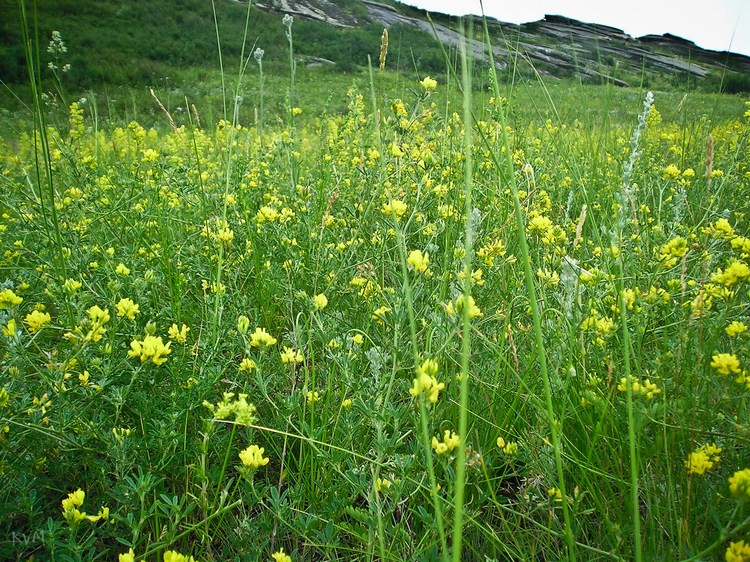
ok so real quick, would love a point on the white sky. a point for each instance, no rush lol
(720, 25)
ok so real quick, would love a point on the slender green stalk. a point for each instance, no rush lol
(554, 423)
(423, 415)
(33, 66)
(458, 501)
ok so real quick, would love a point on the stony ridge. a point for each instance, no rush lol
(554, 45)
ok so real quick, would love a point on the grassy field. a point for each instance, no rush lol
(375, 318)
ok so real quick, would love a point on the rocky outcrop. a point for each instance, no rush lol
(555, 45)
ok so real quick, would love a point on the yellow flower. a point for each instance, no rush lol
(472, 309)
(36, 320)
(312, 397)
(252, 457)
(418, 260)
(174, 556)
(379, 314)
(346, 403)
(261, 338)
(358, 339)
(736, 271)
(426, 381)
(510, 448)
(726, 363)
(702, 459)
(74, 499)
(320, 301)
(428, 84)
(291, 355)
(738, 552)
(178, 334)
(279, 556)
(394, 207)
(71, 286)
(450, 441)
(382, 484)
(735, 329)
(739, 485)
(129, 556)
(9, 330)
(150, 348)
(127, 308)
(672, 172)
(247, 365)
(243, 324)
(8, 299)
(122, 269)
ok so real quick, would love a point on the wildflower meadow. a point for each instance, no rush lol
(420, 325)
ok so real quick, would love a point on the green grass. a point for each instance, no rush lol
(395, 417)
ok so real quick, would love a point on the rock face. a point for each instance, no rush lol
(555, 45)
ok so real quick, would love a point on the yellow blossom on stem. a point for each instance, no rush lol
(418, 260)
(247, 365)
(279, 556)
(122, 269)
(178, 334)
(320, 301)
(738, 552)
(735, 329)
(450, 441)
(174, 556)
(261, 338)
(292, 356)
(252, 457)
(429, 84)
(702, 459)
(395, 208)
(726, 363)
(128, 556)
(8, 299)
(127, 308)
(36, 320)
(739, 485)
(150, 348)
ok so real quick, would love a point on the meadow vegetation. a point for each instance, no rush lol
(454, 319)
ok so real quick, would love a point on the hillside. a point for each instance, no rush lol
(131, 42)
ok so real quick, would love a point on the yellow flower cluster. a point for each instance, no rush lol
(672, 252)
(178, 334)
(73, 515)
(702, 459)
(279, 556)
(252, 457)
(450, 441)
(36, 320)
(127, 308)
(509, 448)
(736, 271)
(174, 556)
(242, 410)
(739, 485)
(395, 208)
(261, 338)
(150, 348)
(726, 363)
(292, 356)
(8, 299)
(738, 552)
(735, 329)
(426, 381)
(646, 388)
(418, 261)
